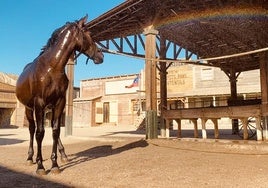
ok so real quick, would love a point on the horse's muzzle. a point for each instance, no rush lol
(98, 58)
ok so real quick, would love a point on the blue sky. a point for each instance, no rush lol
(26, 25)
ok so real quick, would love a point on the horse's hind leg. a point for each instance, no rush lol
(30, 118)
(55, 123)
(61, 149)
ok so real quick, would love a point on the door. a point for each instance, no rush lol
(106, 112)
(99, 112)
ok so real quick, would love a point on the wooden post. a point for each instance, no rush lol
(167, 128)
(258, 128)
(179, 127)
(264, 131)
(163, 85)
(264, 90)
(216, 128)
(69, 99)
(150, 81)
(151, 124)
(245, 127)
(195, 127)
(204, 131)
(233, 81)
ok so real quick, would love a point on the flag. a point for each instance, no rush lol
(135, 83)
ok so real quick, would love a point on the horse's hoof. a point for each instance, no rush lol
(55, 170)
(64, 160)
(41, 172)
(29, 162)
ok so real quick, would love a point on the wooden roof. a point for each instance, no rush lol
(208, 28)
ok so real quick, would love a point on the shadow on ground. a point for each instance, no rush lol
(101, 151)
(9, 127)
(9, 141)
(11, 178)
(137, 132)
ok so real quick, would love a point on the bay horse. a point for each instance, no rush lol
(43, 83)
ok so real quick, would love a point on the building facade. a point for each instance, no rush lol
(109, 100)
(120, 100)
(10, 112)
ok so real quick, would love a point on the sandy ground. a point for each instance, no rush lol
(120, 157)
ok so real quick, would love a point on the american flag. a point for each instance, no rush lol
(135, 83)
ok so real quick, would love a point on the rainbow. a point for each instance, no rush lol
(211, 14)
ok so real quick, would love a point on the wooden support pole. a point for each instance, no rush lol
(150, 81)
(216, 128)
(195, 127)
(163, 84)
(245, 127)
(258, 128)
(151, 124)
(179, 127)
(264, 77)
(264, 91)
(167, 128)
(204, 131)
(233, 85)
(264, 131)
(69, 99)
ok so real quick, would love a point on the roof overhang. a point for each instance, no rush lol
(207, 28)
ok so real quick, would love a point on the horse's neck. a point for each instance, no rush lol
(60, 53)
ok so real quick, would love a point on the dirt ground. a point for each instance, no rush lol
(131, 161)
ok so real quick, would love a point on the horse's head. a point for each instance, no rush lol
(87, 46)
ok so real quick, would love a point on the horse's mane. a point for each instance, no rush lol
(54, 36)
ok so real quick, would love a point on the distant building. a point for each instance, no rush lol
(109, 100)
(8, 101)
(119, 100)
(12, 112)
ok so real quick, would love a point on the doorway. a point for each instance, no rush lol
(106, 112)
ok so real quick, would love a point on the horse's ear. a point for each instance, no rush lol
(82, 21)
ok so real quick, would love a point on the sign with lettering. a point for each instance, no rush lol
(179, 79)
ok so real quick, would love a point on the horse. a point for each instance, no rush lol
(43, 83)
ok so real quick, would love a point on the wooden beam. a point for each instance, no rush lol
(150, 81)
(163, 84)
(245, 127)
(233, 112)
(233, 75)
(264, 90)
(204, 131)
(195, 127)
(258, 128)
(179, 127)
(134, 46)
(167, 128)
(264, 78)
(216, 128)
(69, 99)
(150, 69)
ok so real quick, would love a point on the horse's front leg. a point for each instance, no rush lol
(39, 135)
(30, 118)
(55, 123)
